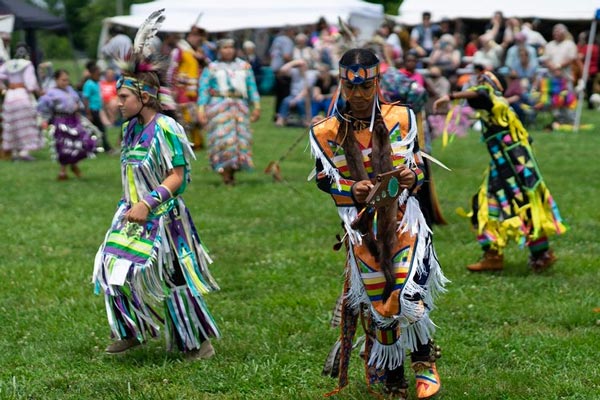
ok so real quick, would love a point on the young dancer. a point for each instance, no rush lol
(392, 274)
(60, 107)
(152, 254)
(513, 201)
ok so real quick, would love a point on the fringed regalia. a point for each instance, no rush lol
(397, 87)
(513, 201)
(73, 137)
(227, 91)
(401, 322)
(183, 74)
(163, 262)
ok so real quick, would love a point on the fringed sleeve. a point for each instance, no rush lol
(175, 148)
(342, 193)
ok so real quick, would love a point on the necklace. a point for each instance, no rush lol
(358, 124)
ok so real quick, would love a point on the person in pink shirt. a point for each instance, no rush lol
(410, 69)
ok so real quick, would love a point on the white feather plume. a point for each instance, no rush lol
(142, 46)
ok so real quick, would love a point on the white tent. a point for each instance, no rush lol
(233, 15)
(7, 22)
(410, 11)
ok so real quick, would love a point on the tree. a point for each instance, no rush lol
(389, 6)
(85, 22)
(85, 19)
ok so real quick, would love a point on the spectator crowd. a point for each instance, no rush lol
(299, 67)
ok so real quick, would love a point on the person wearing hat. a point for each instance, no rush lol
(513, 202)
(187, 61)
(392, 275)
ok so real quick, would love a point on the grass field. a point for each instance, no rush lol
(509, 335)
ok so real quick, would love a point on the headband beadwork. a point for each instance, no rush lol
(134, 84)
(359, 74)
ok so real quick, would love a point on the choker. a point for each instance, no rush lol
(358, 124)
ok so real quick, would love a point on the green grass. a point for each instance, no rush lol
(508, 335)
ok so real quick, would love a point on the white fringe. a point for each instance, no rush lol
(387, 356)
(417, 333)
(413, 220)
(413, 319)
(357, 293)
(328, 169)
(415, 325)
(346, 214)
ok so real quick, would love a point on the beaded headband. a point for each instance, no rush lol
(359, 74)
(134, 84)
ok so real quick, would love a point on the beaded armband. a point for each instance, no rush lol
(157, 197)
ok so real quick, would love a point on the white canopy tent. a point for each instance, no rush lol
(7, 23)
(235, 15)
(560, 10)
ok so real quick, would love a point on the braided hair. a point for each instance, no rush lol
(381, 161)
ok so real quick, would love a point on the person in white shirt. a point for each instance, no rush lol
(421, 37)
(533, 37)
(117, 46)
(562, 51)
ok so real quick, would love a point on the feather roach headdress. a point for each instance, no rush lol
(143, 58)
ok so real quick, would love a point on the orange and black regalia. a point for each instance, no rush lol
(397, 321)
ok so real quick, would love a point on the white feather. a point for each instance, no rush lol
(147, 31)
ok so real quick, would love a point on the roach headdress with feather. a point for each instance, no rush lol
(143, 59)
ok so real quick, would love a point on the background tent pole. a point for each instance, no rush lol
(586, 68)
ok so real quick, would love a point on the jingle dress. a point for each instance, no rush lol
(72, 141)
(226, 91)
(164, 261)
(513, 202)
(401, 323)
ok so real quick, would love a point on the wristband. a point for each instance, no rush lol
(157, 197)
(451, 96)
(419, 177)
